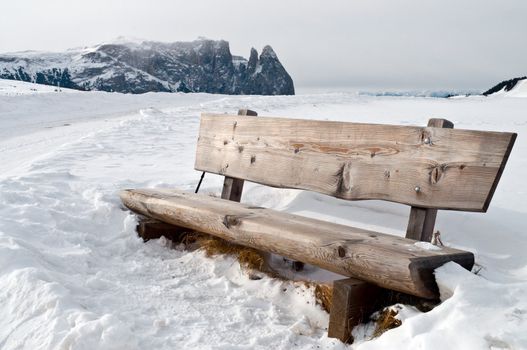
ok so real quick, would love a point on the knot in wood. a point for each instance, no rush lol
(223, 169)
(341, 251)
(344, 180)
(230, 220)
(435, 175)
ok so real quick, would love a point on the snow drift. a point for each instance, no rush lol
(73, 274)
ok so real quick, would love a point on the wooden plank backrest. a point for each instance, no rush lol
(425, 167)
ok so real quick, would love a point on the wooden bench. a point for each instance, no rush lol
(427, 168)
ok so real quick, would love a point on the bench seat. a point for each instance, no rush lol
(388, 261)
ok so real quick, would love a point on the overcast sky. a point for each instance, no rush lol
(453, 44)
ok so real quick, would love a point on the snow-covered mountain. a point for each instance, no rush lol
(136, 67)
(506, 86)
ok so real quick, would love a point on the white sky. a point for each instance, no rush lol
(405, 44)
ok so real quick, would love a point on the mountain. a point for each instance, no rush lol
(506, 85)
(137, 67)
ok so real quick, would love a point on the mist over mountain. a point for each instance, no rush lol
(202, 65)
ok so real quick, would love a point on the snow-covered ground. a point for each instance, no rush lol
(73, 274)
(16, 87)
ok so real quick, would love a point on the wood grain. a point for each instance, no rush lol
(425, 167)
(387, 261)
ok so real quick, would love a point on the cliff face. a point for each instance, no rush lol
(197, 66)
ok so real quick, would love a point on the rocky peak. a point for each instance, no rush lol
(268, 52)
(260, 72)
(253, 60)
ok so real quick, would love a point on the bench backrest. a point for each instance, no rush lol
(424, 167)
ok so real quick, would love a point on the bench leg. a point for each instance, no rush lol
(149, 229)
(353, 302)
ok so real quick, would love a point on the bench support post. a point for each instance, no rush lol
(421, 224)
(422, 220)
(232, 189)
(353, 302)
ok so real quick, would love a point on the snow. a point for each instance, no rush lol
(520, 90)
(73, 274)
(16, 87)
(478, 314)
(126, 40)
(36, 61)
(238, 61)
(426, 246)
